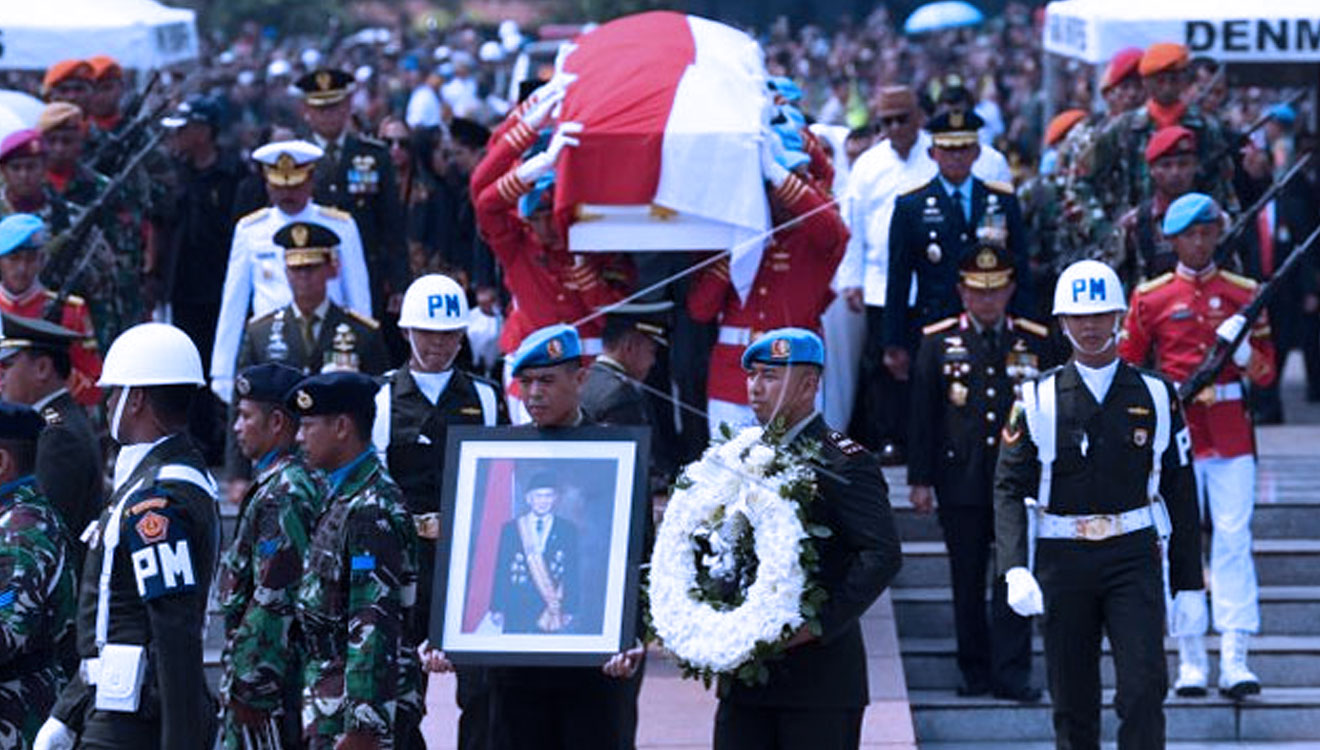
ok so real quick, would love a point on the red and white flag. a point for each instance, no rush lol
(671, 111)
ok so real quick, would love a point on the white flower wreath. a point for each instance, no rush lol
(766, 485)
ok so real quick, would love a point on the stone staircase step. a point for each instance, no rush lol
(1285, 610)
(1277, 714)
(1279, 562)
(1279, 661)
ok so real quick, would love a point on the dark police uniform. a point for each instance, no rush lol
(68, 467)
(930, 236)
(409, 435)
(346, 340)
(963, 386)
(1097, 583)
(356, 175)
(816, 694)
(165, 520)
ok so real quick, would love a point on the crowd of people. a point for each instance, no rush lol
(353, 244)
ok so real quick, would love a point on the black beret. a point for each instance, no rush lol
(19, 422)
(333, 393)
(268, 382)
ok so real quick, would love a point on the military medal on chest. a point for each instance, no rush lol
(342, 356)
(363, 175)
(276, 347)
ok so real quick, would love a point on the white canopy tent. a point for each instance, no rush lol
(139, 34)
(1274, 31)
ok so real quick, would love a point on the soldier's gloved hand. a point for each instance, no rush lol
(54, 735)
(540, 110)
(532, 169)
(1191, 616)
(1229, 330)
(772, 150)
(433, 659)
(1024, 595)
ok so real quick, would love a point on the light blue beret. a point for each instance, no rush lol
(1192, 208)
(18, 231)
(785, 346)
(785, 87)
(549, 346)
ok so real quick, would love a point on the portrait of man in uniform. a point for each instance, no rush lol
(536, 585)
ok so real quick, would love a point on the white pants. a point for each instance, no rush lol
(737, 416)
(1226, 488)
(845, 337)
(517, 410)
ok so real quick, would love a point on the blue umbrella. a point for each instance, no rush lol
(947, 14)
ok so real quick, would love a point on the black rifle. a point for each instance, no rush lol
(78, 232)
(102, 159)
(1240, 139)
(1246, 218)
(1217, 358)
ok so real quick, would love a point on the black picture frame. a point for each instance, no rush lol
(482, 464)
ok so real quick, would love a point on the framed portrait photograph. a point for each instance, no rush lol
(540, 544)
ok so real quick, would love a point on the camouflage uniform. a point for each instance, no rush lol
(1117, 168)
(37, 609)
(355, 600)
(259, 575)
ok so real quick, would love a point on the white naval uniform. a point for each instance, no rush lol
(255, 278)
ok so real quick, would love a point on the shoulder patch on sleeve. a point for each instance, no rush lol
(939, 325)
(52, 416)
(151, 503)
(1155, 283)
(160, 552)
(365, 320)
(1238, 280)
(334, 213)
(845, 443)
(999, 187)
(254, 217)
(1031, 326)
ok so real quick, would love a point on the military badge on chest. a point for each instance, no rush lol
(276, 347)
(993, 228)
(1021, 364)
(957, 368)
(363, 175)
(342, 356)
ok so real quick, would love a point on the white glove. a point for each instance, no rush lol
(532, 169)
(1227, 331)
(1024, 595)
(541, 107)
(562, 56)
(54, 735)
(771, 147)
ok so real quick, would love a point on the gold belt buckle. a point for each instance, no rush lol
(428, 525)
(1093, 528)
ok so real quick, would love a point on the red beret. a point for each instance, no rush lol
(103, 67)
(1174, 139)
(1061, 124)
(63, 71)
(21, 143)
(1163, 56)
(1123, 64)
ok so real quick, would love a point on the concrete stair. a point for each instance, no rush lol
(1286, 655)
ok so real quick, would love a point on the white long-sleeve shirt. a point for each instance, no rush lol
(254, 278)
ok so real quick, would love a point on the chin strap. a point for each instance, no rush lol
(1113, 338)
(119, 415)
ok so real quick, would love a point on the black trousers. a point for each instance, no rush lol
(583, 711)
(994, 653)
(473, 697)
(881, 414)
(1111, 588)
(742, 727)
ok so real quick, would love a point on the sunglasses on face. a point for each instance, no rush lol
(892, 120)
(399, 142)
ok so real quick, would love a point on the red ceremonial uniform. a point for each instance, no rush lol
(792, 287)
(548, 285)
(84, 356)
(1174, 316)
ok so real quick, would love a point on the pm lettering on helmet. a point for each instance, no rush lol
(1094, 289)
(446, 302)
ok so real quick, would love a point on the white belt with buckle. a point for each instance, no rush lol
(735, 336)
(1213, 394)
(592, 347)
(1095, 528)
(90, 670)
